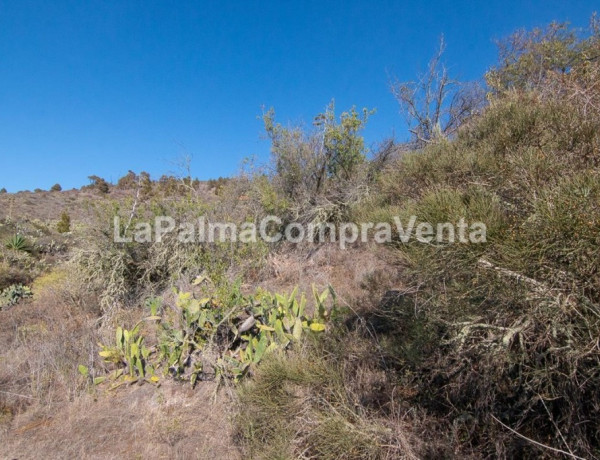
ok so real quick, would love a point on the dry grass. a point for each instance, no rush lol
(41, 342)
(171, 422)
(304, 405)
(47, 408)
(359, 274)
(47, 206)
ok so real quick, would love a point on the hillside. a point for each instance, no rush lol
(459, 343)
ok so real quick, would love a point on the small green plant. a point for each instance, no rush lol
(14, 294)
(153, 304)
(85, 371)
(64, 224)
(18, 243)
(56, 188)
(130, 354)
(245, 331)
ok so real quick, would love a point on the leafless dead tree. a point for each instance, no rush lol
(436, 105)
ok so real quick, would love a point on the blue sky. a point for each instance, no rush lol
(101, 87)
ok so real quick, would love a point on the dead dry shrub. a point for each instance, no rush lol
(42, 343)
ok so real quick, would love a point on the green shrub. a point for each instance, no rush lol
(99, 184)
(56, 188)
(14, 294)
(322, 172)
(128, 181)
(64, 224)
(527, 58)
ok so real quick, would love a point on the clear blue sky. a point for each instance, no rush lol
(100, 87)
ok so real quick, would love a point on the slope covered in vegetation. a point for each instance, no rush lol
(401, 350)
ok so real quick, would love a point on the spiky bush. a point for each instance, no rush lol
(18, 243)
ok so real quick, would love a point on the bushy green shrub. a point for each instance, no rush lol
(321, 172)
(64, 224)
(528, 57)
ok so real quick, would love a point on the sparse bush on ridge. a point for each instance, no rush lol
(529, 58)
(99, 184)
(317, 175)
(128, 181)
(436, 105)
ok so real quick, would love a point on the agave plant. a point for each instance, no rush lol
(18, 243)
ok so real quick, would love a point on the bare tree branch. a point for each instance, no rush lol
(436, 105)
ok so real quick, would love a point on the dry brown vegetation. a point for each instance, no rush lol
(434, 351)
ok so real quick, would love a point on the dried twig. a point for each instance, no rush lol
(517, 276)
(539, 444)
(18, 395)
(134, 207)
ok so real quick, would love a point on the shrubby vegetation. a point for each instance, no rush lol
(485, 350)
(64, 224)
(98, 184)
(223, 336)
(13, 294)
(503, 334)
(506, 336)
